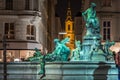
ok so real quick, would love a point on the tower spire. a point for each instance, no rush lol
(68, 4)
(69, 12)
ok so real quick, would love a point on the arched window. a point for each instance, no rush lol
(68, 27)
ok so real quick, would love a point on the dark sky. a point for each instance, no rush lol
(62, 5)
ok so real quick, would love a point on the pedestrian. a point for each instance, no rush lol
(117, 62)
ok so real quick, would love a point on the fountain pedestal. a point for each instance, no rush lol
(82, 70)
(92, 49)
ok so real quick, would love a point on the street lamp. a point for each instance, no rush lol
(4, 58)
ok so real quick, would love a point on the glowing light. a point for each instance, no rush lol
(62, 33)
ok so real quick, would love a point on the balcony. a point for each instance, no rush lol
(20, 12)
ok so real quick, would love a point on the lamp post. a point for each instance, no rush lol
(4, 58)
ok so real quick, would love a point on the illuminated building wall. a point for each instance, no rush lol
(51, 28)
(23, 23)
(78, 26)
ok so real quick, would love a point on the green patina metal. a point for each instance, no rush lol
(76, 52)
(92, 22)
(60, 53)
(91, 48)
(39, 57)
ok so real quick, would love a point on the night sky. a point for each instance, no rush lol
(61, 8)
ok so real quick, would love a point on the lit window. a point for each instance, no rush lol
(106, 30)
(16, 55)
(9, 30)
(30, 32)
(106, 3)
(9, 4)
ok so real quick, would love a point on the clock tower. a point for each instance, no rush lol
(69, 28)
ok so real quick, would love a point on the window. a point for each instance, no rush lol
(68, 27)
(30, 32)
(9, 30)
(106, 30)
(35, 5)
(9, 4)
(106, 3)
(16, 55)
(27, 4)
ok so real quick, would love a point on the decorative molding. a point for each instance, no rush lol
(20, 41)
(19, 12)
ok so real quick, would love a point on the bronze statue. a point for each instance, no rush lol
(92, 22)
(39, 57)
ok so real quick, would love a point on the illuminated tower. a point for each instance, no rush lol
(69, 28)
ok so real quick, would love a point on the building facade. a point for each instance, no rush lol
(108, 12)
(23, 23)
(78, 24)
(51, 25)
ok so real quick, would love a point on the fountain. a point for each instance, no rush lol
(88, 59)
(91, 48)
